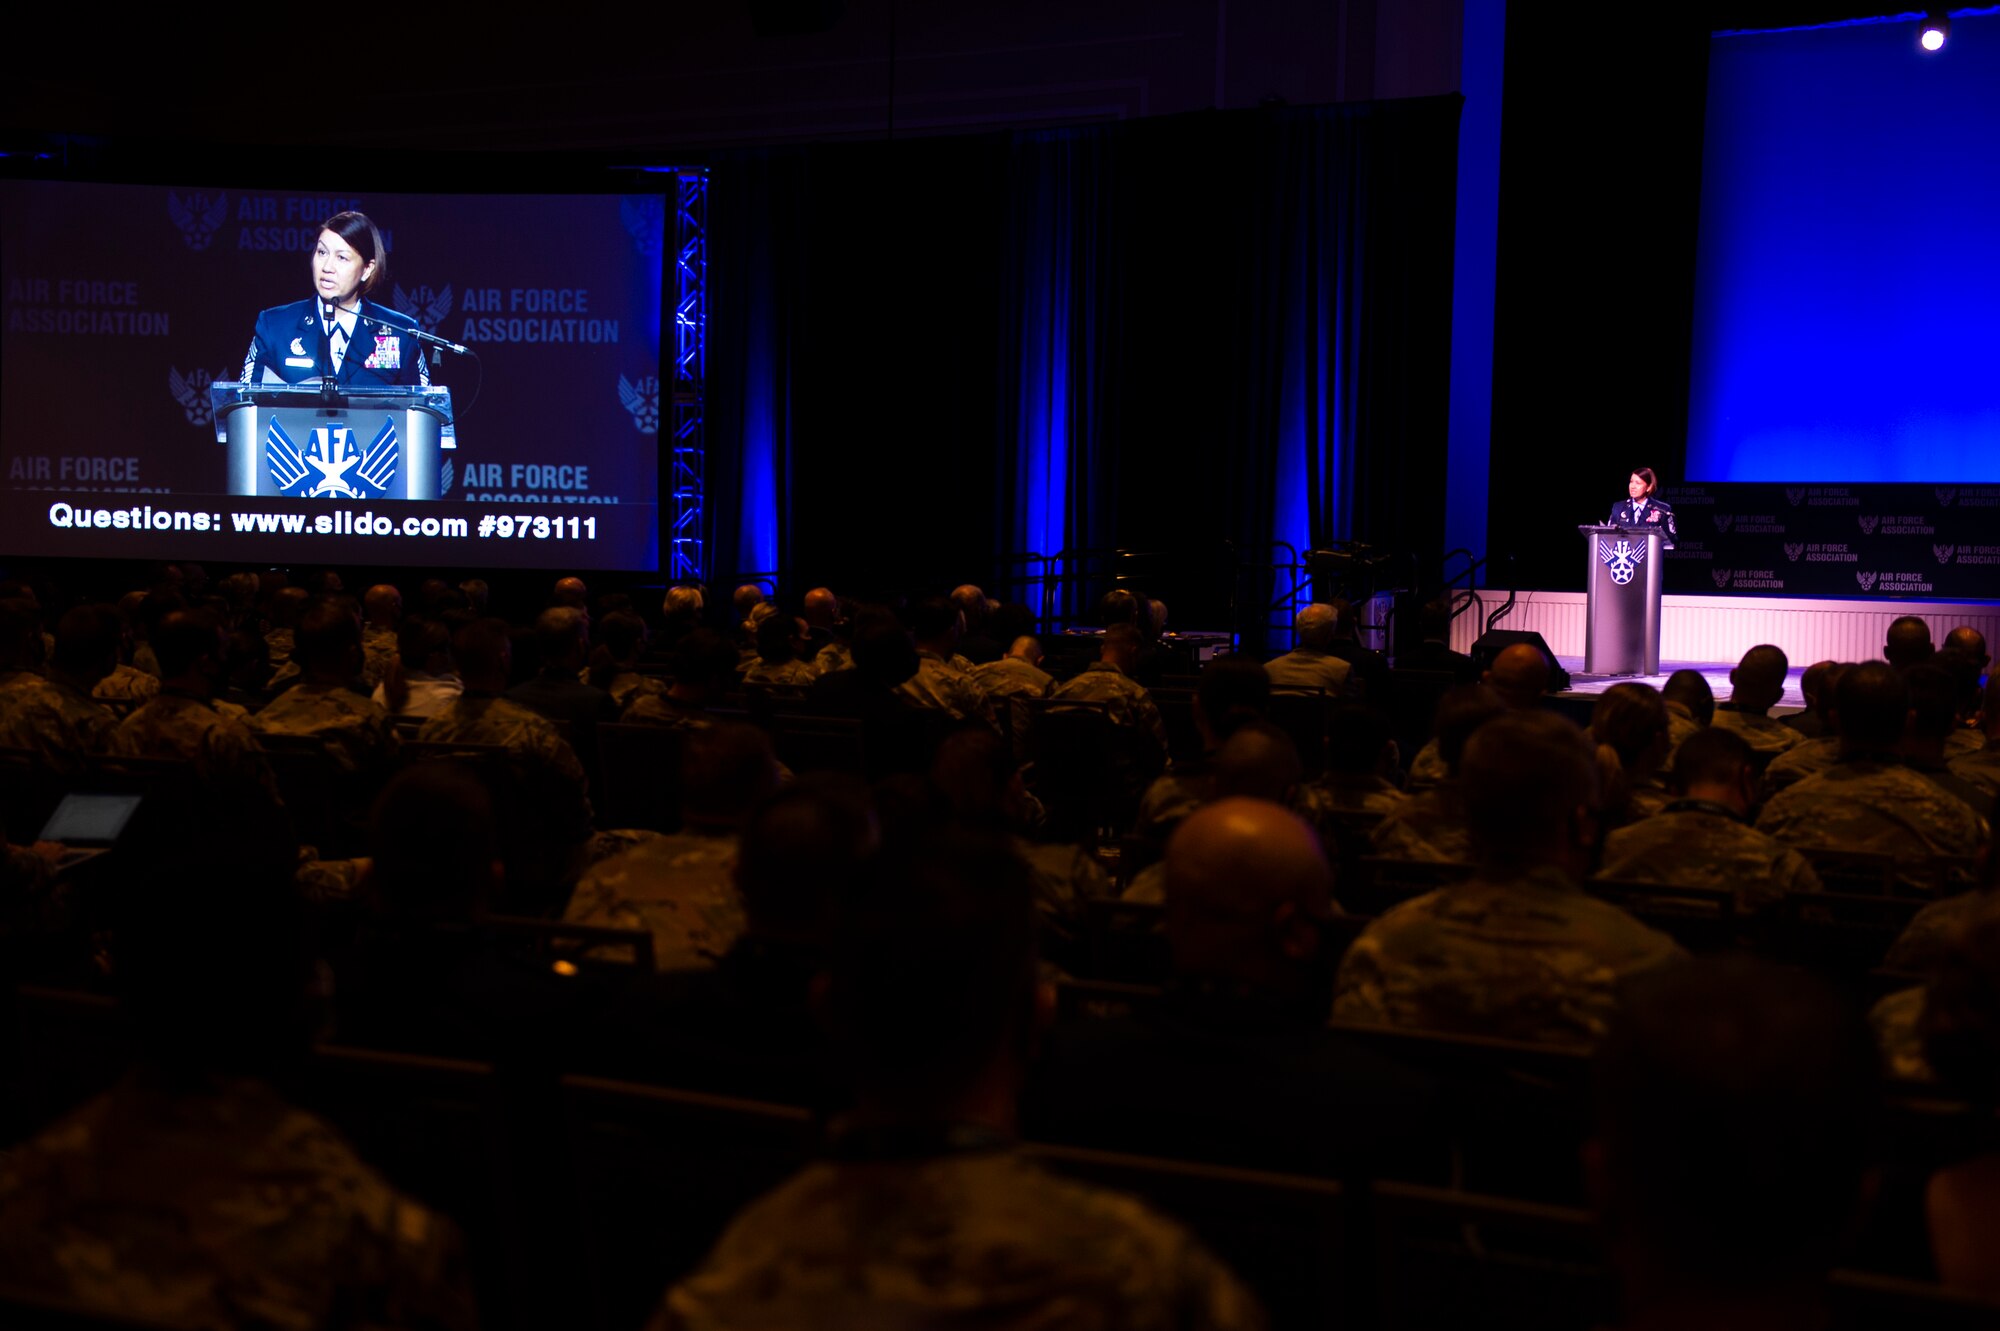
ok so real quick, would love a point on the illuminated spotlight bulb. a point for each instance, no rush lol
(1931, 34)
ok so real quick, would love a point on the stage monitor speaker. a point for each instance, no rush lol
(1495, 641)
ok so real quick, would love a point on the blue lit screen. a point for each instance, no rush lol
(1847, 298)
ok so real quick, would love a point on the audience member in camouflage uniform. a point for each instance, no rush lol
(323, 704)
(1690, 706)
(1816, 686)
(191, 1194)
(1981, 767)
(621, 638)
(1108, 681)
(1934, 715)
(482, 716)
(52, 714)
(383, 608)
(704, 671)
(1310, 667)
(1519, 951)
(1758, 681)
(425, 681)
(1519, 677)
(1931, 932)
(923, 1214)
(1703, 838)
(1018, 674)
(1231, 691)
(779, 640)
(1801, 761)
(1433, 824)
(682, 888)
(288, 606)
(1629, 724)
(1869, 801)
(186, 723)
(943, 682)
(1257, 762)
(1356, 790)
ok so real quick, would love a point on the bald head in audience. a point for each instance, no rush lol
(1871, 705)
(1247, 886)
(822, 608)
(1689, 689)
(1970, 641)
(1908, 642)
(1519, 675)
(1316, 627)
(1758, 680)
(1258, 761)
(572, 593)
(383, 606)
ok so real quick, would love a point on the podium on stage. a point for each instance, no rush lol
(1622, 621)
(298, 441)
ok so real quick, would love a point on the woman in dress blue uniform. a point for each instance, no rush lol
(1642, 510)
(339, 330)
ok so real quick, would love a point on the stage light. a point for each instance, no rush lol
(1933, 31)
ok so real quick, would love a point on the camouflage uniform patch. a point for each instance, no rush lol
(1924, 939)
(531, 740)
(1692, 843)
(224, 1208)
(1873, 807)
(681, 889)
(1801, 761)
(125, 684)
(786, 674)
(981, 1239)
(1127, 702)
(1895, 1021)
(222, 748)
(1532, 958)
(1428, 826)
(940, 686)
(1766, 734)
(359, 736)
(1979, 768)
(1427, 769)
(834, 656)
(628, 686)
(54, 721)
(660, 709)
(378, 653)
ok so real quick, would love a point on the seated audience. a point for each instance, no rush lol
(978, 644)
(1934, 715)
(1360, 761)
(1981, 767)
(1017, 674)
(1518, 677)
(780, 638)
(943, 682)
(382, 611)
(1311, 666)
(425, 679)
(192, 1193)
(1734, 1102)
(1869, 801)
(185, 723)
(621, 646)
(681, 888)
(1519, 951)
(1690, 706)
(1908, 642)
(51, 713)
(1432, 824)
(1822, 750)
(922, 1213)
(704, 666)
(1232, 690)
(1756, 684)
(1135, 718)
(557, 690)
(1629, 724)
(1816, 687)
(324, 704)
(1960, 1032)
(1703, 837)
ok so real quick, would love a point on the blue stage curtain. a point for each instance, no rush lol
(1058, 365)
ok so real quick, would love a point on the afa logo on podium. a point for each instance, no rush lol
(1623, 557)
(329, 466)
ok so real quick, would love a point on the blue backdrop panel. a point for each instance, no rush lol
(1848, 289)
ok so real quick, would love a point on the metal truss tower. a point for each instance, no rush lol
(687, 559)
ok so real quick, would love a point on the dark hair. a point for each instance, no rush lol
(419, 639)
(933, 617)
(1524, 773)
(774, 639)
(704, 659)
(1690, 689)
(1872, 703)
(184, 637)
(1646, 474)
(622, 633)
(1630, 718)
(87, 640)
(361, 236)
(324, 637)
(1712, 754)
(1232, 690)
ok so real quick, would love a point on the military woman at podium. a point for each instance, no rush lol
(338, 331)
(1642, 510)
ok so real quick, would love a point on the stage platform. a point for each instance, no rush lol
(1711, 633)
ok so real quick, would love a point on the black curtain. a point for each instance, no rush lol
(1198, 335)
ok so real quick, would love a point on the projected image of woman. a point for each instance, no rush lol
(338, 331)
(1642, 510)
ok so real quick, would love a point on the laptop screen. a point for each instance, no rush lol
(90, 820)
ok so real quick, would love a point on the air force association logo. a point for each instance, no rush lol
(1868, 524)
(645, 217)
(1793, 549)
(1722, 575)
(191, 391)
(199, 216)
(643, 401)
(329, 466)
(1795, 494)
(1723, 521)
(1867, 581)
(1944, 495)
(1622, 556)
(1944, 552)
(428, 307)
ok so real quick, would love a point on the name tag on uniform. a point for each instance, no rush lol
(299, 362)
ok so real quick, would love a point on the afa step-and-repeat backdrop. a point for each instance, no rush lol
(1885, 540)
